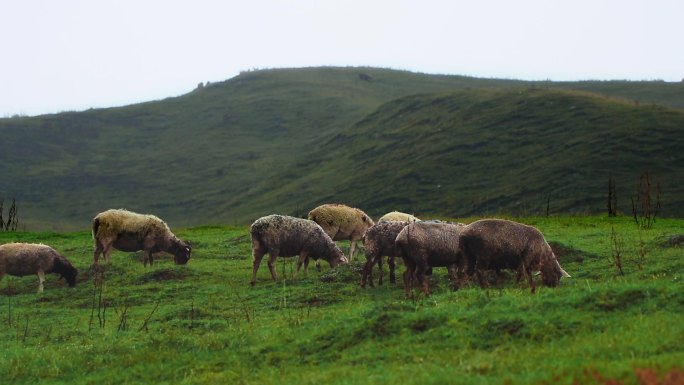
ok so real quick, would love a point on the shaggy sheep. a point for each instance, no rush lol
(342, 222)
(20, 259)
(426, 244)
(285, 236)
(377, 242)
(398, 216)
(501, 244)
(128, 231)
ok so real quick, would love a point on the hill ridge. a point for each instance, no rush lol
(285, 140)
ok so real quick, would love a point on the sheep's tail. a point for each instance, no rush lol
(96, 227)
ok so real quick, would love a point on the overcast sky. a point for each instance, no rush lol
(73, 55)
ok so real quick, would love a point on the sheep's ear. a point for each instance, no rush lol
(536, 273)
(187, 248)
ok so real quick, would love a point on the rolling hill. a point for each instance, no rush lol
(285, 140)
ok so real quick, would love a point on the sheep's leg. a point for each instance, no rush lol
(258, 254)
(453, 276)
(367, 270)
(480, 278)
(422, 279)
(380, 273)
(352, 249)
(303, 259)
(306, 266)
(41, 279)
(390, 262)
(272, 255)
(102, 247)
(147, 257)
(99, 248)
(107, 251)
(530, 278)
(408, 281)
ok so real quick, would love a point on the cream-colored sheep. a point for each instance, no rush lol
(20, 259)
(128, 231)
(398, 216)
(342, 222)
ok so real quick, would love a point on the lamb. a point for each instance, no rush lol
(20, 259)
(128, 231)
(426, 244)
(503, 244)
(285, 236)
(342, 222)
(398, 216)
(379, 241)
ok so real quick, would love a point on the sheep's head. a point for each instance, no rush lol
(338, 260)
(181, 252)
(66, 270)
(551, 272)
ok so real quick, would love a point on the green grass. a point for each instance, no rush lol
(208, 325)
(284, 140)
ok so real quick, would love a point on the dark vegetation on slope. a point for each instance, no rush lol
(284, 140)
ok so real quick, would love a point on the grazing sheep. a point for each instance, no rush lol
(342, 222)
(377, 242)
(502, 244)
(20, 259)
(128, 231)
(427, 244)
(285, 236)
(398, 216)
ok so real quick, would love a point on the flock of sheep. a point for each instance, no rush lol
(465, 250)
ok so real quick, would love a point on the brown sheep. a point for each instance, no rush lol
(427, 244)
(128, 231)
(398, 216)
(502, 244)
(20, 259)
(378, 242)
(285, 236)
(342, 222)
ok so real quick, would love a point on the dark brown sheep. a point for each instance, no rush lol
(495, 244)
(128, 231)
(285, 236)
(20, 259)
(427, 244)
(378, 242)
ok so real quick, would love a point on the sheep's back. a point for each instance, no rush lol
(380, 238)
(398, 216)
(117, 221)
(288, 234)
(21, 259)
(500, 244)
(348, 219)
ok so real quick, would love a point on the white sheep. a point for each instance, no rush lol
(128, 231)
(342, 222)
(398, 216)
(20, 259)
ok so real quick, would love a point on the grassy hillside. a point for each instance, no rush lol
(476, 152)
(203, 324)
(283, 140)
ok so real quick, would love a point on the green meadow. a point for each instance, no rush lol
(203, 323)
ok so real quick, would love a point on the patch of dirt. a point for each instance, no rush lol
(164, 275)
(10, 291)
(675, 240)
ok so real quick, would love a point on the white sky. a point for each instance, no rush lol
(62, 55)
